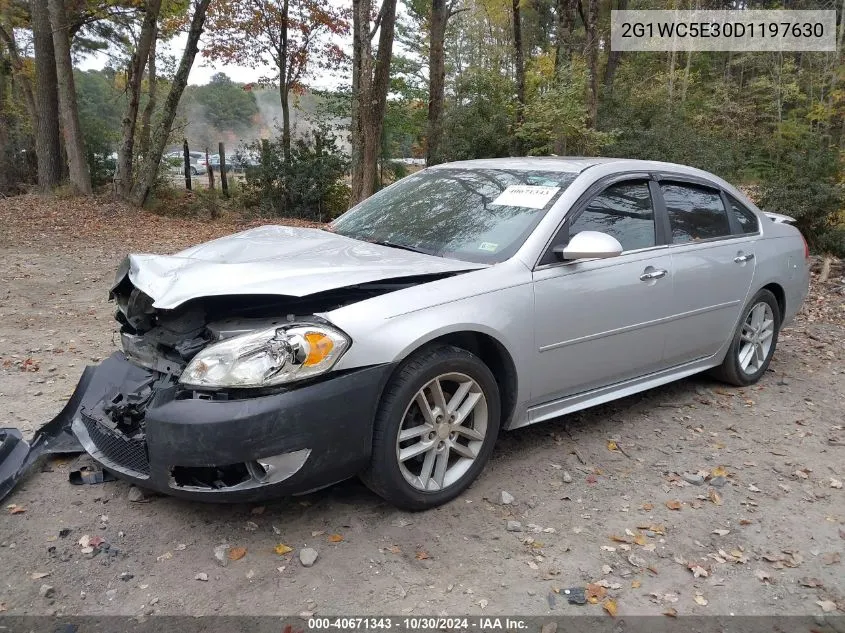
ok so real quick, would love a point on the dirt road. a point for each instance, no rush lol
(601, 496)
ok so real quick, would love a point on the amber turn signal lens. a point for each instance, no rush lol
(319, 347)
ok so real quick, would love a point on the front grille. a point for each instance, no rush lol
(129, 454)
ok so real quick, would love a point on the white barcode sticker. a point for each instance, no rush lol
(528, 196)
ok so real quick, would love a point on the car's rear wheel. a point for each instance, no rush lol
(194, 171)
(435, 428)
(753, 343)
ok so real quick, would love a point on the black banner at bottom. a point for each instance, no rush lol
(411, 624)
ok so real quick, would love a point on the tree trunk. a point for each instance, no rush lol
(592, 54)
(563, 33)
(613, 58)
(519, 71)
(370, 82)
(361, 88)
(5, 150)
(152, 91)
(74, 142)
(149, 168)
(436, 79)
(134, 74)
(8, 38)
(284, 81)
(47, 147)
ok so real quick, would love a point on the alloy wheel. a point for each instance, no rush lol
(442, 432)
(756, 338)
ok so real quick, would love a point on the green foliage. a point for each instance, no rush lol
(101, 108)
(309, 187)
(478, 125)
(225, 104)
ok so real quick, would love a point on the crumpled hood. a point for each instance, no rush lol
(276, 260)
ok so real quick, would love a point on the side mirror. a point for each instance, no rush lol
(589, 245)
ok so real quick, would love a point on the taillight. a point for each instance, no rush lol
(806, 247)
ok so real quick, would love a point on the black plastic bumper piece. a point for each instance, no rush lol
(18, 456)
(331, 421)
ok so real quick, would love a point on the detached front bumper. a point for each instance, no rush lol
(197, 446)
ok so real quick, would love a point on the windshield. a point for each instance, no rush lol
(476, 215)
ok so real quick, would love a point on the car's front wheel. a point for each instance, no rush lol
(753, 343)
(435, 428)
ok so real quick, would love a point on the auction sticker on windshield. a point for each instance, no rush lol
(528, 196)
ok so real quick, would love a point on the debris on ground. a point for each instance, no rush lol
(307, 556)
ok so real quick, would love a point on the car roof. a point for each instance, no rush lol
(571, 164)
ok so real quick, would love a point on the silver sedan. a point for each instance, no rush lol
(397, 343)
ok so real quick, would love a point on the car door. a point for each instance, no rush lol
(712, 263)
(598, 321)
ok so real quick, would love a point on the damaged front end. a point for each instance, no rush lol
(136, 416)
(225, 388)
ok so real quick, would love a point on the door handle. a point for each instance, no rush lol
(741, 259)
(657, 273)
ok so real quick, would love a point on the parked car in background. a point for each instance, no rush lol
(176, 161)
(236, 162)
(397, 343)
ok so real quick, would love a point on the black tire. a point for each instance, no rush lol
(730, 371)
(194, 171)
(383, 476)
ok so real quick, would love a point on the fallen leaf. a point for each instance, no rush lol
(831, 558)
(811, 582)
(715, 497)
(674, 504)
(281, 549)
(648, 507)
(745, 521)
(671, 613)
(394, 549)
(699, 599)
(827, 605)
(237, 553)
(762, 576)
(421, 555)
(611, 446)
(335, 538)
(39, 575)
(698, 571)
(610, 607)
(16, 509)
(719, 471)
(595, 593)
(753, 488)
(620, 539)
(640, 539)
(635, 584)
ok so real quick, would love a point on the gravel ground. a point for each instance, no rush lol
(600, 496)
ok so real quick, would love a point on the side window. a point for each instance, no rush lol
(695, 213)
(622, 210)
(745, 217)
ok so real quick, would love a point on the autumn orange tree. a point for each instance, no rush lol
(295, 37)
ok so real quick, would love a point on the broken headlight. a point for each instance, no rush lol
(267, 357)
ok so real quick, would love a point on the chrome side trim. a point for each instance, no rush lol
(570, 404)
(637, 326)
